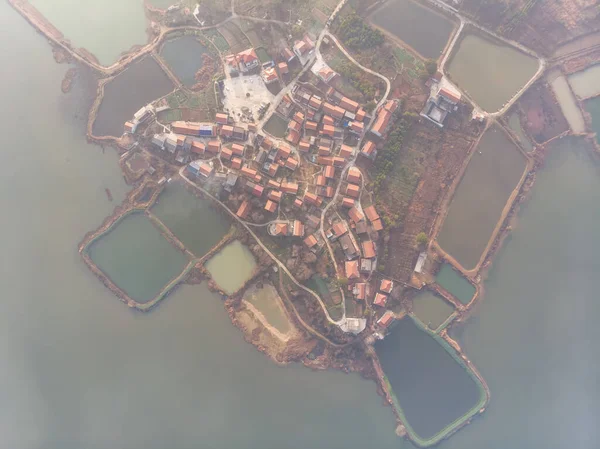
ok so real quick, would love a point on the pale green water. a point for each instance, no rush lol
(586, 83)
(455, 284)
(193, 220)
(492, 74)
(568, 104)
(492, 174)
(515, 124)
(267, 301)
(431, 309)
(79, 368)
(184, 57)
(232, 266)
(422, 28)
(106, 28)
(136, 257)
(592, 106)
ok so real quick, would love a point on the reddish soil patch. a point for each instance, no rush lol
(541, 113)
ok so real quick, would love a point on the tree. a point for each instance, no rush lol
(431, 67)
(370, 106)
(422, 239)
(342, 282)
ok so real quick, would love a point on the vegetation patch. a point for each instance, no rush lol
(357, 34)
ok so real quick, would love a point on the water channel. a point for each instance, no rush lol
(142, 82)
(455, 284)
(184, 57)
(231, 267)
(105, 28)
(493, 173)
(423, 29)
(136, 257)
(491, 73)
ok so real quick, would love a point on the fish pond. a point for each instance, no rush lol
(137, 258)
(232, 266)
(184, 57)
(493, 173)
(276, 125)
(455, 284)
(514, 122)
(423, 29)
(592, 106)
(267, 301)
(105, 28)
(141, 83)
(194, 221)
(432, 388)
(586, 84)
(489, 72)
(431, 309)
(567, 102)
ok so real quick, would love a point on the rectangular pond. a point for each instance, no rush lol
(493, 173)
(141, 83)
(432, 388)
(137, 258)
(455, 284)
(231, 267)
(592, 106)
(489, 72)
(184, 57)
(431, 309)
(586, 84)
(267, 301)
(194, 221)
(567, 102)
(422, 28)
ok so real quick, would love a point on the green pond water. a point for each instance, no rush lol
(586, 83)
(276, 125)
(184, 57)
(514, 122)
(423, 29)
(267, 301)
(490, 73)
(231, 267)
(455, 284)
(105, 28)
(431, 310)
(568, 103)
(432, 388)
(492, 174)
(193, 220)
(141, 83)
(137, 258)
(592, 106)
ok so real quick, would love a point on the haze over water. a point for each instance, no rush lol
(81, 370)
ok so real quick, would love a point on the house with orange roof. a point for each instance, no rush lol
(221, 118)
(272, 170)
(310, 126)
(324, 151)
(328, 130)
(324, 160)
(273, 184)
(244, 210)
(298, 229)
(360, 115)
(386, 319)
(275, 195)
(326, 74)
(321, 180)
(291, 163)
(369, 149)
(311, 198)
(236, 163)
(198, 147)
(310, 241)
(338, 161)
(355, 214)
(347, 202)
(368, 248)
(293, 137)
(328, 120)
(386, 286)
(213, 146)
(278, 229)
(237, 149)
(304, 146)
(380, 299)
(352, 190)
(247, 60)
(337, 230)
(226, 154)
(269, 75)
(357, 127)
(315, 102)
(283, 151)
(298, 203)
(377, 225)
(353, 175)
(283, 68)
(346, 151)
(289, 187)
(371, 213)
(359, 290)
(271, 206)
(329, 172)
(226, 131)
(334, 111)
(248, 172)
(348, 104)
(352, 272)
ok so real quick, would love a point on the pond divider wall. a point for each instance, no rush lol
(454, 350)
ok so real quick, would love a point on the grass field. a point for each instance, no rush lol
(217, 39)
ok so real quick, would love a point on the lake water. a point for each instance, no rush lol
(267, 301)
(592, 106)
(423, 29)
(141, 83)
(79, 368)
(193, 220)
(431, 309)
(136, 257)
(586, 83)
(432, 388)
(567, 102)
(184, 57)
(514, 122)
(231, 267)
(455, 284)
(492, 174)
(105, 28)
(490, 73)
